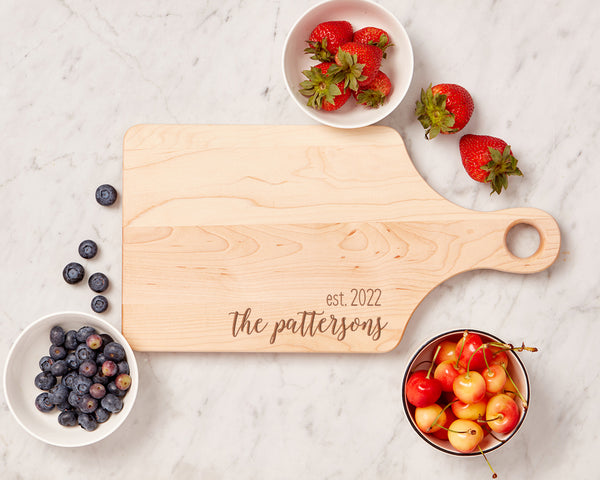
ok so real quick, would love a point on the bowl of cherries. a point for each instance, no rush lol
(466, 392)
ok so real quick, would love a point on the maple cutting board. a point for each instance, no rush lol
(292, 238)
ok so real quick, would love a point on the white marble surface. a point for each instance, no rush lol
(76, 74)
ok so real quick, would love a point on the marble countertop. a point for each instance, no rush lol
(77, 74)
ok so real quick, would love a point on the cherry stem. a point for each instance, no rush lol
(439, 415)
(509, 346)
(494, 475)
(482, 346)
(499, 417)
(462, 347)
(433, 361)
(516, 388)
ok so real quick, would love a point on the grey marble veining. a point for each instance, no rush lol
(75, 74)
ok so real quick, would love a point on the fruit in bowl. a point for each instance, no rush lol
(466, 392)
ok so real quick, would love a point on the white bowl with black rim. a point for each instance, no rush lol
(424, 356)
(22, 365)
(398, 65)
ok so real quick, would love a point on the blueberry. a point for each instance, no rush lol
(101, 378)
(88, 368)
(94, 341)
(73, 272)
(84, 332)
(88, 404)
(44, 381)
(98, 282)
(106, 195)
(75, 399)
(85, 353)
(64, 406)
(43, 403)
(81, 384)
(46, 363)
(97, 390)
(112, 403)
(67, 380)
(88, 249)
(114, 351)
(72, 361)
(106, 338)
(101, 415)
(123, 381)
(57, 352)
(57, 335)
(67, 418)
(100, 359)
(59, 368)
(114, 390)
(99, 303)
(58, 394)
(123, 367)
(109, 368)
(71, 340)
(87, 422)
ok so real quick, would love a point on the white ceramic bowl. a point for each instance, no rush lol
(516, 369)
(398, 65)
(22, 365)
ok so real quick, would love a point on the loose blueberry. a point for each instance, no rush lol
(58, 394)
(88, 404)
(94, 341)
(97, 390)
(44, 381)
(98, 282)
(112, 403)
(71, 340)
(57, 335)
(87, 422)
(82, 384)
(84, 332)
(72, 361)
(88, 249)
(123, 381)
(101, 415)
(73, 273)
(43, 403)
(85, 353)
(123, 367)
(114, 351)
(46, 363)
(116, 391)
(106, 195)
(59, 368)
(99, 303)
(88, 368)
(67, 380)
(109, 368)
(57, 352)
(67, 418)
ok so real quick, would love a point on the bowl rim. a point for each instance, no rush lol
(113, 331)
(332, 123)
(409, 416)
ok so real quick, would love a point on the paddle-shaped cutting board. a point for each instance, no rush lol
(292, 238)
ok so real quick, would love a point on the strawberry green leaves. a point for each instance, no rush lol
(432, 113)
(499, 168)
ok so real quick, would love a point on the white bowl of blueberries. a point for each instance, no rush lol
(70, 379)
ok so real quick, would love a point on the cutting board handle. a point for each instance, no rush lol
(549, 235)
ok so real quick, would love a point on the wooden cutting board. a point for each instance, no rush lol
(292, 238)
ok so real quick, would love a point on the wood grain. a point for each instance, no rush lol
(287, 238)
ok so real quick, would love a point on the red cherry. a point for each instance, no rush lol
(470, 348)
(422, 389)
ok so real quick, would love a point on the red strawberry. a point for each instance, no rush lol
(360, 62)
(326, 38)
(373, 36)
(376, 93)
(444, 108)
(488, 160)
(324, 88)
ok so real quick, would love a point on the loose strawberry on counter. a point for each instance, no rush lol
(324, 88)
(326, 38)
(488, 160)
(444, 108)
(373, 36)
(376, 93)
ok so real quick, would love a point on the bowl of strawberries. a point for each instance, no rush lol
(347, 63)
(466, 392)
